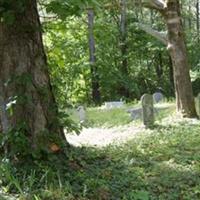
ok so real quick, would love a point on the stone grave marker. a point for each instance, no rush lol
(147, 110)
(135, 113)
(197, 102)
(81, 114)
(158, 97)
(114, 104)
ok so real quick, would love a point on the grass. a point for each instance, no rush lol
(98, 117)
(163, 164)
(107, 118)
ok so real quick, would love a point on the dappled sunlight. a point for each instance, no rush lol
(131, 162)
(101, 137)
(90, 92)
(172, 165)
(161, 164)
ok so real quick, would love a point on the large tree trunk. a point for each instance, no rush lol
(177, 49)
(96, 96)
(170, 9)
(24, 74)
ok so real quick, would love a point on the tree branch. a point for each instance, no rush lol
(161, 36)
(154, 4)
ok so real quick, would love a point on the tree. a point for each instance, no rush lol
(197, 18)
(96, 96)
(124, 63)
(170, 10)
(26, 87)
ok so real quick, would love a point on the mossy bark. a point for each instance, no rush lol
(25, 77)
(178, 52)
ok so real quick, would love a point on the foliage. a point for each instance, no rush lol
(65, 8)
(161, 164)
(149, 64)
(10, 8)
(68, 53)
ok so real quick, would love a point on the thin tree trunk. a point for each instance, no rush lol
(197, 19)
(24, 74)
(189, 18)
(96, 96)
(152, 17)
(177, 49)
(124, 65)
(159, 67)
(171, 75)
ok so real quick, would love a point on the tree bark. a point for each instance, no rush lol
(170, 9)
(124, 63)
(177, 49)
(171, 76)
(197, 19)
(96, 96)
(24, 74)
(189, 17)
(159, 68)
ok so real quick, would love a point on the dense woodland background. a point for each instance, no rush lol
(148, 66)
(58, 54)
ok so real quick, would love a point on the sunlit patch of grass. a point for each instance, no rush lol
(101, 117)
(108, 118)
(98, 117)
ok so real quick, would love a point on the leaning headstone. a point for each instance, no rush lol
(81, 114)
(136, 113)
(197, 102)
(158, 97)
(147, 110)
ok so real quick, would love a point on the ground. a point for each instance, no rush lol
(158, 164)
(101, 137)
(111, 131)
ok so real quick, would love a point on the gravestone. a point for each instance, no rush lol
(147, 110)
(81, 114)
(197, 102)
(114, 104)
(158, 97)
(136, 113)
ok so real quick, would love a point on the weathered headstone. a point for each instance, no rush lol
(158, 97)
(114, 104)
(147, 110)
(197, 102)
(81, 114)
(136, 113)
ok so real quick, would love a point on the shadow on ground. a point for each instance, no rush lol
(163, 165)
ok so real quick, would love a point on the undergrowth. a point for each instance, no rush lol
(163, 164)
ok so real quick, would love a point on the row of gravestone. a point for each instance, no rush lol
(157, 97)
(146, 111)
(137, 113)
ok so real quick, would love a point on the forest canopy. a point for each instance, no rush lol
(63, 63)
